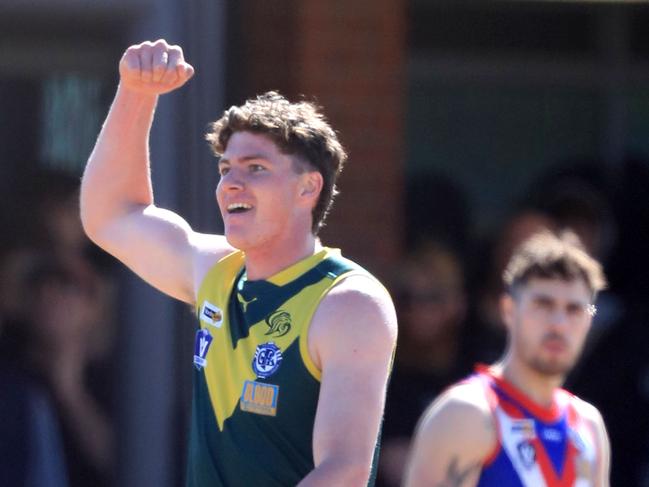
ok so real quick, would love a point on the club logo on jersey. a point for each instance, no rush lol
(259, 398)
(201, 346)
(524, 428)
(268, 358)
(211, 314)
(279, 323)
(527, 454)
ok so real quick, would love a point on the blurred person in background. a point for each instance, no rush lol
(431, 308)
(63, 313)
(607, 207)
(57, 327)
(51, 340)
(511, 423)
(31, 443)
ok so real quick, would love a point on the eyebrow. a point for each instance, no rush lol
(250, 157)
(549, 297)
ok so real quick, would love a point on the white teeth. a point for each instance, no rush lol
(238, 206)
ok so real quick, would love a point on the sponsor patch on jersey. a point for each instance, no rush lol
(527, 454)
(279, 323)
(267, 360)
(201, 347)
(259, 398)
(211, 314)
(524, 428)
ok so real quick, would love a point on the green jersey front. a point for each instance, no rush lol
(255, 386)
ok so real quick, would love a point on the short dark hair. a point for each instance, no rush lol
(298, 129)
(550, 256)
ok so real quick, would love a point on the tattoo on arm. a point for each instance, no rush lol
(455, 477)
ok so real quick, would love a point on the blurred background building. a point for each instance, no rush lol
(469, 124)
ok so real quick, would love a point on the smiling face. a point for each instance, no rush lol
(548, 321)
(264, 200)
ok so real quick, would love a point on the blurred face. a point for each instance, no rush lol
(430, 313)
(261, 195)
(548, 321)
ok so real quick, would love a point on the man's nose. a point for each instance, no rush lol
(558, 317)
(232, 180)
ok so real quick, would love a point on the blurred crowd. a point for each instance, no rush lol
(58, 318)
(57, 330)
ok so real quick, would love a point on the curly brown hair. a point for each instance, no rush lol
(298, 129)
(547, 255)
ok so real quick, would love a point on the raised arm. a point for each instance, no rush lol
(117, 207)
(352, 340)
(452, 440)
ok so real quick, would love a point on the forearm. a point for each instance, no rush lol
(117, 175)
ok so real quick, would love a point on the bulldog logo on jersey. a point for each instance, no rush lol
(279, 323)
(211, 314)
(267, 360)
(201, 346)
(527, 454)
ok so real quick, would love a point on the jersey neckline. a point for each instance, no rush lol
(547, 414)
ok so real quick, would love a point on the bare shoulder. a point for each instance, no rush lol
(208, 249)
(588, 412)
(454, 438)
(359, 309)
(462, 412)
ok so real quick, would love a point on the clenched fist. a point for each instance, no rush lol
(154, 68)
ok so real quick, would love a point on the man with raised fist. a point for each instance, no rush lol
(294, 344)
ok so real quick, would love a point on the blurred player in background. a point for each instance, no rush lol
(511, 424)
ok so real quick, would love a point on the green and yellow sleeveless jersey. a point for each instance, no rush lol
(255, 386)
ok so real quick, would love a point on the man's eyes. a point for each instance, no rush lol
(575, 309)
(544, 304)
(223, 170)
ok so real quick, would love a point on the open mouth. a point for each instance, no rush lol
(235, 208)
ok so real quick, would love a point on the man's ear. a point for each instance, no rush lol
(507, 309)
(311, 186)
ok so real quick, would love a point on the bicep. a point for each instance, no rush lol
(157, 245)
(354, 340)
(349, 412)
(450, 445)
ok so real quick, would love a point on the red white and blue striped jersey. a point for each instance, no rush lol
(537, 447)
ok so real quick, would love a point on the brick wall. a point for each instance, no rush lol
(350, 55)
